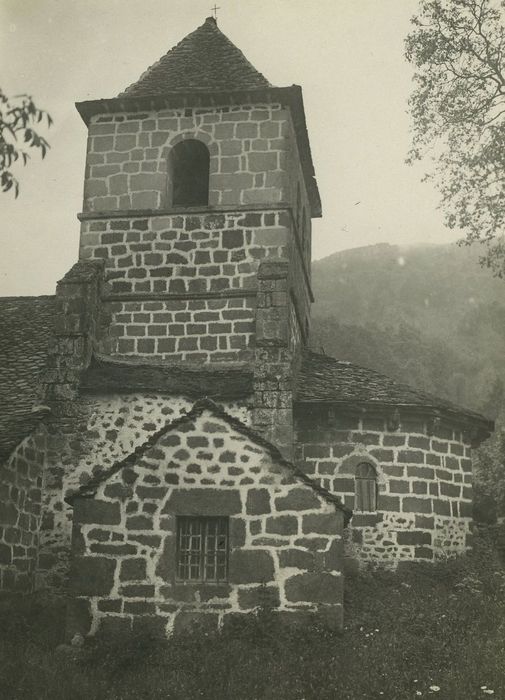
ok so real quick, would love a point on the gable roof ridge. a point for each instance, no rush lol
(89, 489)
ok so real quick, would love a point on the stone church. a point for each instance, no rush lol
(170, 446)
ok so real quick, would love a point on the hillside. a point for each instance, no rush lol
(427, 315)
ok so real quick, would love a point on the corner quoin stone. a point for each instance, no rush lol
(92, 576)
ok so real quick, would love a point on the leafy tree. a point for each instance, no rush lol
(458, 107)
(493, 405)
(489, 479)
(489, 460)
(18, 117)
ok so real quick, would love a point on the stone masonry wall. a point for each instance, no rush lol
(185, 253)
(20, 513)
(104, 430)
(207, 263)
(424, 482)
(285, 539)
(127, 159)
(190, 330)
(254, 163)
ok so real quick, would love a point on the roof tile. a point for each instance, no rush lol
(326, 379)
(204, 60)
(26, 327)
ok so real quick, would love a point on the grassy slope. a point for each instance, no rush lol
(441, 626)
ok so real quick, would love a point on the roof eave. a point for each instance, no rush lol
(484, 425)
(112, 375)
(290, 96)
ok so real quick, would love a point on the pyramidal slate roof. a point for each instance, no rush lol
(204, 60)
(26, 328)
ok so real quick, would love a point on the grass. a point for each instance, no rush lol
(438, 631)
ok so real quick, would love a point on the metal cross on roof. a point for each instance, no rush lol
(214, 10)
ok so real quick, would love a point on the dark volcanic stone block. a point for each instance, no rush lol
(204, 502)
(282, 525)
(8, 514)
(321, 523)
(133, 569)
(298, 499)
(417, 505)
(258, 501)
(297, 558)
(259, 596)
(5, 554)
(414, 537)
(92, 576)
(89, 510)
(251, 566)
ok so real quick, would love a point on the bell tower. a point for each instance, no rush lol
(198, 196)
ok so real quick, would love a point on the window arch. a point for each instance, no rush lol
(365, 488)
(189, 162)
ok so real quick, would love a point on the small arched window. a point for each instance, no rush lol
(366, 488)
(189, 174)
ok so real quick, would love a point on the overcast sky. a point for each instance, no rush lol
(346, 54)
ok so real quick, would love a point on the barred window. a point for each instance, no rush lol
(366, 488)
(202, 549)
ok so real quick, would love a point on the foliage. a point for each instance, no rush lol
(489, 478)
(458, 111)
(436, 626)
(19, 116)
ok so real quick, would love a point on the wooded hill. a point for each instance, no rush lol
(427, 315)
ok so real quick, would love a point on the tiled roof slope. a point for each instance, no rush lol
(204, 60)
(325, 379)
(26, 326)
